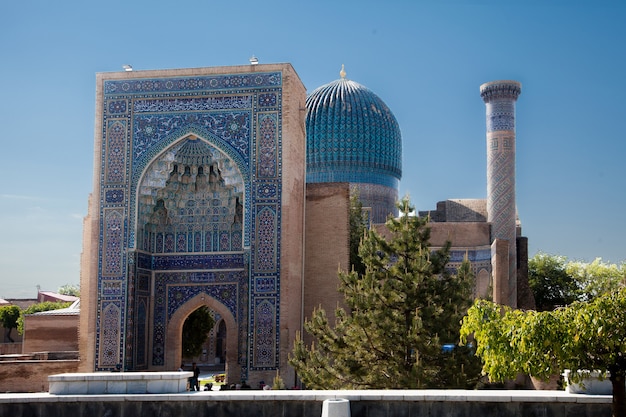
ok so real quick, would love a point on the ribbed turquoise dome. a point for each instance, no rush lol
(353, 137)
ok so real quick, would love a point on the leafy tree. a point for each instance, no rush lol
(39, 307)
(9, 316)
(550, 282)
(581, 336)
(70, 289)
(596, 278)
(195, 331)
(555, 281)
(357, 231)
(401, 311)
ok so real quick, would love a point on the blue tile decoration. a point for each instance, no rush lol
(117, 107)
(499, 98)
(203, 84)
(352, 136)
(265, 336)
(191, 171)
(115, 195)
(113, 242)
(116, 151)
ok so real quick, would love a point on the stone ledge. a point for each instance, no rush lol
(486, 396)
(94, 383)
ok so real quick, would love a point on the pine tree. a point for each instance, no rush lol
(400, 312)
(357, 230)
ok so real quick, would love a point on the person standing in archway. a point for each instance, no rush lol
(195, 383)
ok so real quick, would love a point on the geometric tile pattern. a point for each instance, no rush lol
(159, 211)
(352, 136)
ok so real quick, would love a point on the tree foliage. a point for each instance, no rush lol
(555, 281)
(37, 308)
(597, 277)
(400, 312)
(9, 316)
(550, 283)
(357, 231)
(581, 336)
(70, 289)
(195, 331)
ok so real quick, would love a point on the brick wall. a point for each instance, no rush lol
(50, 333)
(32, 375)
(326, 246)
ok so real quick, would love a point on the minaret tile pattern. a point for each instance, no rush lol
(500, 98)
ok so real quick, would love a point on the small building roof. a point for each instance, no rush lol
(57, 296)
(72, 310)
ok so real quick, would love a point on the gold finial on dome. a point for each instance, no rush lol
(342, 72)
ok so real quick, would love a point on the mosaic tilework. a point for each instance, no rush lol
(114, 224)
(266, 244)
(265, 284)
(110, 337)
(233, 128)
(266, 152)
(499, 98)
(142, 333)
(221, 111)
(193, 262)
(174, 289)
(352, 136)
(265, 335)
(194, 84)
(266, 191)
(336, 133)
(116, 151)
(115, 195)
(501, 115)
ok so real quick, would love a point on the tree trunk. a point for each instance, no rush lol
(619, 394)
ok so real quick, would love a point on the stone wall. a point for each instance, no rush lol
(450, 403)
(31, 375)
(53, 332)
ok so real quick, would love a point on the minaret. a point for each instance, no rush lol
(499, 98)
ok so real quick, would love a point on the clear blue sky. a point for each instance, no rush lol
(425, 58)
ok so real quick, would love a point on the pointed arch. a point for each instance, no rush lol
(173, 344)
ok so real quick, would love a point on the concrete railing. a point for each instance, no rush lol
(451, 403)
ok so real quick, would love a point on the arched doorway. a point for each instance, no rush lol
(197, 330)
(226, 322)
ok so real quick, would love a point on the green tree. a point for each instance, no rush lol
(550, 282)
(70, 289)
(596, 278)
(400, 312)
(39, 307)
(9, 316)
(582, 336)
(357, 231)
(195, 331)
(556, 281)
